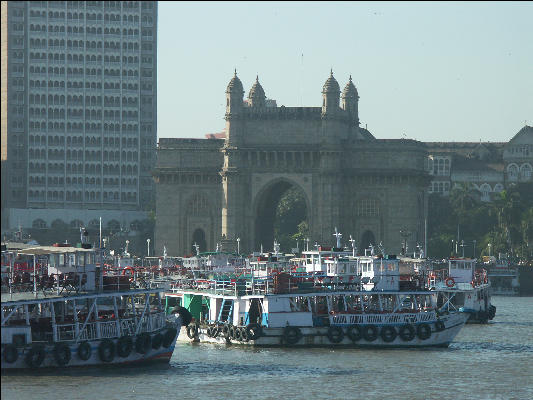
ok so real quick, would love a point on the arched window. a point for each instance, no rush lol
(512, 172)
(525, 172)
(485, 190)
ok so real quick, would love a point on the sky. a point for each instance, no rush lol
(430, 71)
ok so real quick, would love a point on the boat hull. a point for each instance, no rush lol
(160, 355)
(318, 337)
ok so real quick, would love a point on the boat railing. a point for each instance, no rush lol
(108, 329)
(392, 318)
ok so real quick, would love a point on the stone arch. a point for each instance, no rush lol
(525, 171)
(264, 207)
(39, 224)
(199, 237)
(512, 172)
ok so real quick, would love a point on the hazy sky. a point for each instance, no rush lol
(428, 71)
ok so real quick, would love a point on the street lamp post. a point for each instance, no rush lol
(148, 245)
(474, 249)
(238, 246)
(489, 248)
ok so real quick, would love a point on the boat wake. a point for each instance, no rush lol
(505, 347)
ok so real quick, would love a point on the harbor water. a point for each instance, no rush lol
(493, 361)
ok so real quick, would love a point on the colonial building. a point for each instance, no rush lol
(78, 111)
(213, 191)
(487, 167)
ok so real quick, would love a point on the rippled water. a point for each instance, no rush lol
(493, 361)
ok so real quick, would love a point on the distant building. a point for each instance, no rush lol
(79, 134)
(488, 167)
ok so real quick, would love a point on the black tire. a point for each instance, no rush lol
(423, 331)
(254, 331)
(231, 332)
(226, 331)
(407, 332)
(62, 354)
(209, 331)
(244, 334)
(192, 331)
(35, 357)
(492, 312)
(335, 334)
(106, 350)
(237, 334)
(124, 346)
(169, 337)
(370, 333)
(157, 341)
(292, 334)
(143, 343)
(388, 334)
(11, 353)
(439, 326)
(354, 333)
(215, 330)
(84, 351)
(186, 316)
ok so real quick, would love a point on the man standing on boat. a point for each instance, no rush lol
(179, 316)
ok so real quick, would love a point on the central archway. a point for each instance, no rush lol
(282, 211)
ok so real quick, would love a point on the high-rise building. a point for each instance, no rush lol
(81, 95)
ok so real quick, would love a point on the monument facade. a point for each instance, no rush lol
(215, 191)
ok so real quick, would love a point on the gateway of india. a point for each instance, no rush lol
(225, 191)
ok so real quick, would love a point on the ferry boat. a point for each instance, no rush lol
(365, 308)
(465, 288)
(63, 312)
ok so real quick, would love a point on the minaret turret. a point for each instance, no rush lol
(330, 96)
(256, 96)
(350, 101)
(234, 96)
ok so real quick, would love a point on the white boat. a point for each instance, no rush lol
(313, 309)
(465, 288)
(66, 313)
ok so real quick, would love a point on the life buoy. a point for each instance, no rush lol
(370, 333)
(169, 336)
(35, 356)
(62, 354)
(254, 331)
(192, 331)
(439, 326)
(157, 340)
(106, 350)
(11, 353)
(132, 272)
(124, 346)
(388, 333)
(354, 333)
(407, 332)
(423, 331)
(84, 351)
(473, 284)
(450, 282)
(335, 334)
(143, 343)
(292, 334)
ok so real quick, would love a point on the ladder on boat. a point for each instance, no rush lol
(226, 311)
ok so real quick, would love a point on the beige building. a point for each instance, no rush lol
(488, 167)
(214, 191)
